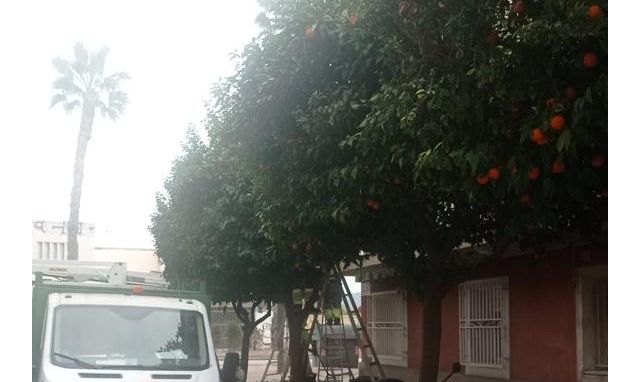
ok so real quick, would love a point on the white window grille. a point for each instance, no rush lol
(602, 327)
(483, 312)
(387, 326)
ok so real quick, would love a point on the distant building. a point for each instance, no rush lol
(49, 242)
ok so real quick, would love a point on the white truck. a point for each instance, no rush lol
(94, 321)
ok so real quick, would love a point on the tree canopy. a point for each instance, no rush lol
(407, 130)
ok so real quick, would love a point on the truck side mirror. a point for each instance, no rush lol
(230, 367)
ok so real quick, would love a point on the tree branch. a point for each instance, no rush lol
(241, 312)
(266, 315)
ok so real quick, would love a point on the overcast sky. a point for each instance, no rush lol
(173, 51)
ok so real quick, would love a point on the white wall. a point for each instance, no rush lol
(137, 259)
(49, 240)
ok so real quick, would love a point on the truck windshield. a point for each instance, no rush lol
(128, 337)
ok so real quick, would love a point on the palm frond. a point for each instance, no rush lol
(105, 111)
(97, 60)
(60, 97)
(67, 85)
(81, 62)
(111, 83)
(83, 80)
(62, 66)
(71, 106)
(117, 102)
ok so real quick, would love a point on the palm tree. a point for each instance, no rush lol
(82, 85)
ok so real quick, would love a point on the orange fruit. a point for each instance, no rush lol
(558, 167)
(557, 123)
(570, 93)
(534, 173)
(594, 12)
(537, 135)
(353, 20)
(482, 179)
(518, 7)
(310, 33)
(514, 170)
(597, 161)
(376, 205)
(494, 173)
(525, 199)
(543, 141)
(370, 203)
(590, 60)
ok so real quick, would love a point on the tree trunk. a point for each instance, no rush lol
(84, 135)
(431, 331)
(297, 352)
(247, 331)
(277, 340)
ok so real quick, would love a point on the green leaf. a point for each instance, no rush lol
(564, 140)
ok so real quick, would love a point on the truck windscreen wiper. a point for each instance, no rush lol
(77, 361)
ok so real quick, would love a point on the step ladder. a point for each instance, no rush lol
(95, 271)
(333, 359)
(363, 339)
(332, 335)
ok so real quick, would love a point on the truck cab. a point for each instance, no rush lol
(96, 321)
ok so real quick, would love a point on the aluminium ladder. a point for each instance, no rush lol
(363, 340)
(362, 336)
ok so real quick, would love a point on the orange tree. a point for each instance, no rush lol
(302, 61)
(205, 229)
(489, 127)
(409, 129)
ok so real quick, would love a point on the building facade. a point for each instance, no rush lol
(49, 242)
(530, 317)
(49, 239)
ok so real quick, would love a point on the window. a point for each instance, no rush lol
(601, 324)
(483, 312)
(112, 337)
(51, 250)
(387, 326)
(592, 322)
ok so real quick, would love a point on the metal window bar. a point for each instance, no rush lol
(481, 325)
(601, 314)
(386, 324)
